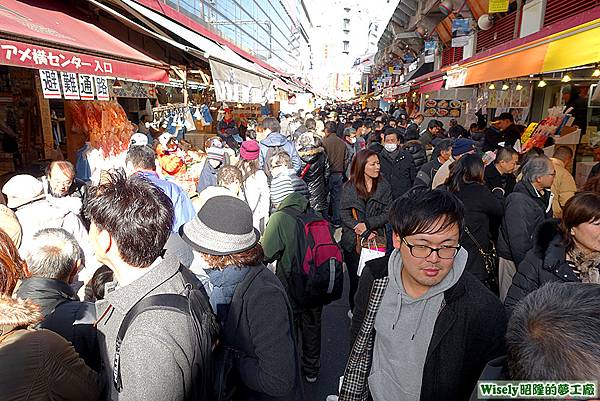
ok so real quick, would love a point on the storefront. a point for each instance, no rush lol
(52, 61)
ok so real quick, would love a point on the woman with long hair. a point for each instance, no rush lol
(566, 250)
(481, 208)
(255, 185)
(365, 203)
(12, 266)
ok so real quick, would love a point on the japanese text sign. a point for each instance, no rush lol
(70, 85)
(50, 84)
(101, 84)
(86, 87)
(498, 6)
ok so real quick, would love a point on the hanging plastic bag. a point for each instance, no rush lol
(370, 252)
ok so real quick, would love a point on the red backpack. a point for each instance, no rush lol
(317, 275)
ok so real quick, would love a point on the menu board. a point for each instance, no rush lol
(443, 108)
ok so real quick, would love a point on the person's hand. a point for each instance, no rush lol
(372, 236)
(360, 228)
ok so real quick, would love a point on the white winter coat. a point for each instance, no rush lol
(258, 196)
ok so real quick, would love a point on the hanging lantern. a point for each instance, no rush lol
(485, 22)
(446, 7)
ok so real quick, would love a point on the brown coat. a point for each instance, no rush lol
(39, 364)
(563, 187)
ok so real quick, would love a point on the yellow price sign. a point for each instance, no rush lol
(498, 6)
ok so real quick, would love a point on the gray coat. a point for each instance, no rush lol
(155, 353)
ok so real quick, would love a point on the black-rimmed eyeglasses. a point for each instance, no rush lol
(423, 251)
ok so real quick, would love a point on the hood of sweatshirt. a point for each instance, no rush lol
(274, 139)
(296, 201)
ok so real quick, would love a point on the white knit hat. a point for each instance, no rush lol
(22, 189)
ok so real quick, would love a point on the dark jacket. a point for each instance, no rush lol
(493, 179)
(398, 168)
(426, 173)
(580, 109)
(468, 333)
(481, 206)
(492, 137)
(259, 328)
(545, 262)
(524, 211)
(594, 171)
(64, 314)
(373, 211)
(336, 151)
(510, 135)
(495, 370)
(315, 172)
(417, 151)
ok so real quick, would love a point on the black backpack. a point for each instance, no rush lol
(317, 276)
(203, 328)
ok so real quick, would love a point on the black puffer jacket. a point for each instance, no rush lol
(545, 262)
(373, 211)
(398, 168)
(417, 151)
(315, 172)
(524, 211)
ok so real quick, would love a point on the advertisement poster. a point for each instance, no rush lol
(443, 108)
(461, 31)
(429, 50)
(498, 6)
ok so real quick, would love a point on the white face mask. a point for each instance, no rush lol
(352, 140)
(147, 125)
(390, 147)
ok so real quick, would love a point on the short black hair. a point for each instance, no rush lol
(506, 116)
(142, 157)
(417, 211)
(392, 131)
(432, 124)
(330, 127)
(444, 145)
(137, 214)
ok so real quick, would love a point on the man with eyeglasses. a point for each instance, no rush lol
(423, 327)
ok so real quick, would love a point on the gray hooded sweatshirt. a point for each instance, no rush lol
(404, 328)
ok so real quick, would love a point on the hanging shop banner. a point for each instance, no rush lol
(101, 84)
(50, 84)
(70, 85)
(235, 85)
(429, 51)
(86, 87)
(498, 6)
(461, 30)
(25, 55)
(456, 78)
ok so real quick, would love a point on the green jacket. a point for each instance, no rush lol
(279, 240)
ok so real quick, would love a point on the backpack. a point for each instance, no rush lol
(317, 277)
(202, 323)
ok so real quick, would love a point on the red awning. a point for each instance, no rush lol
(431, 86)
(35, 34)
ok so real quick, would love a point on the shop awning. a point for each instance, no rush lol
(36, 34)
(554, 48)
(431, 86)
(235, 78)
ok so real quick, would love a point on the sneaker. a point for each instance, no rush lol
(311, 379)
(350, 314)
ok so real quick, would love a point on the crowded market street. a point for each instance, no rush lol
(299, 200)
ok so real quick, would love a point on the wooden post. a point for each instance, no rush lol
(46, 121)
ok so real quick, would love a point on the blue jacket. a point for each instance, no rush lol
(275, 140)
(184, 211)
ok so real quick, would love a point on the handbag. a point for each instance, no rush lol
(490, 261)
(380, 240)
(373, 250)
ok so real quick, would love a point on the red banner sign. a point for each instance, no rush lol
(25, 55)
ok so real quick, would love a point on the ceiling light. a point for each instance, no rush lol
(519, 86)
(505, 87)
(492, 86)
(596, 73)
(542, 83)
(566, 78)
(426, 96)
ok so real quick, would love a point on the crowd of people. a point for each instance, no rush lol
(131, 289)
